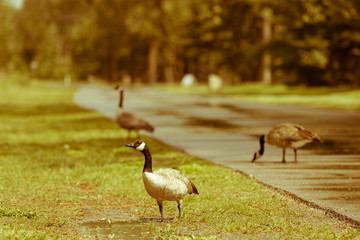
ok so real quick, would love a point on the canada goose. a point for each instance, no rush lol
(163, 184)
(286, 135)
(130, 121)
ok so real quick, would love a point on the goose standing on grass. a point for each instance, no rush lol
(286, 135)
(130, 121)
(163, 184)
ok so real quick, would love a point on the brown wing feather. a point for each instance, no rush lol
(173, 173)
(284, 134)
(131, 121)
(306, 134)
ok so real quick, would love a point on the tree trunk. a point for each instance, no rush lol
(265, 67)
(153, 62)
(265, 71)
(169, 69)
(112, 61)
(113, 68)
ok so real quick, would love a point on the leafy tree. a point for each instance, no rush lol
(162, 31)
(299, 42)
(8, 43)
(305, 47)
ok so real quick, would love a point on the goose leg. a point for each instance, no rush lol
(161, 210)
(283, 160)
(179, 207)
(295, 155)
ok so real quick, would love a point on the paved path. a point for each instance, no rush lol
(225, 131)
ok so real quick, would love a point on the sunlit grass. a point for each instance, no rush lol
(59, 163)
(326, 97)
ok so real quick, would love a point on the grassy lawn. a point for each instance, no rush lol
(61, 165)
(327, 97)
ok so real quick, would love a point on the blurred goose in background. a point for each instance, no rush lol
(130, 121)
(286, 135)
(163, 184)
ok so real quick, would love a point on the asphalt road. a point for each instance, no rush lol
(225, 131)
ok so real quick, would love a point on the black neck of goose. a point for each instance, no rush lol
(121, 98)
(148, 160)
(262, 141)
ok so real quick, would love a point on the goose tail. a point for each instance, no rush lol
(318, 139)
(194, 189)
(149, 128)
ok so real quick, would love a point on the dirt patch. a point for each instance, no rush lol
(109, 217)
(116, 230)
(119, 218)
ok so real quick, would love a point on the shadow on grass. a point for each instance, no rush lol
(98, 151)
(17, 110)
(82, 135)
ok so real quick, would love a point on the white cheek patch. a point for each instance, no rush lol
(141, 147)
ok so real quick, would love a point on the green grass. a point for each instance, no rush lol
(326, 97)
(61, 164)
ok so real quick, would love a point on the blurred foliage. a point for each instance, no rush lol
(314, 42)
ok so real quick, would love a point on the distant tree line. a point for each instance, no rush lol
(313, 42)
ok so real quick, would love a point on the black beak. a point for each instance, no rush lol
(130, 145)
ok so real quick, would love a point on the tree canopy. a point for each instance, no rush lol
(314, 42)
